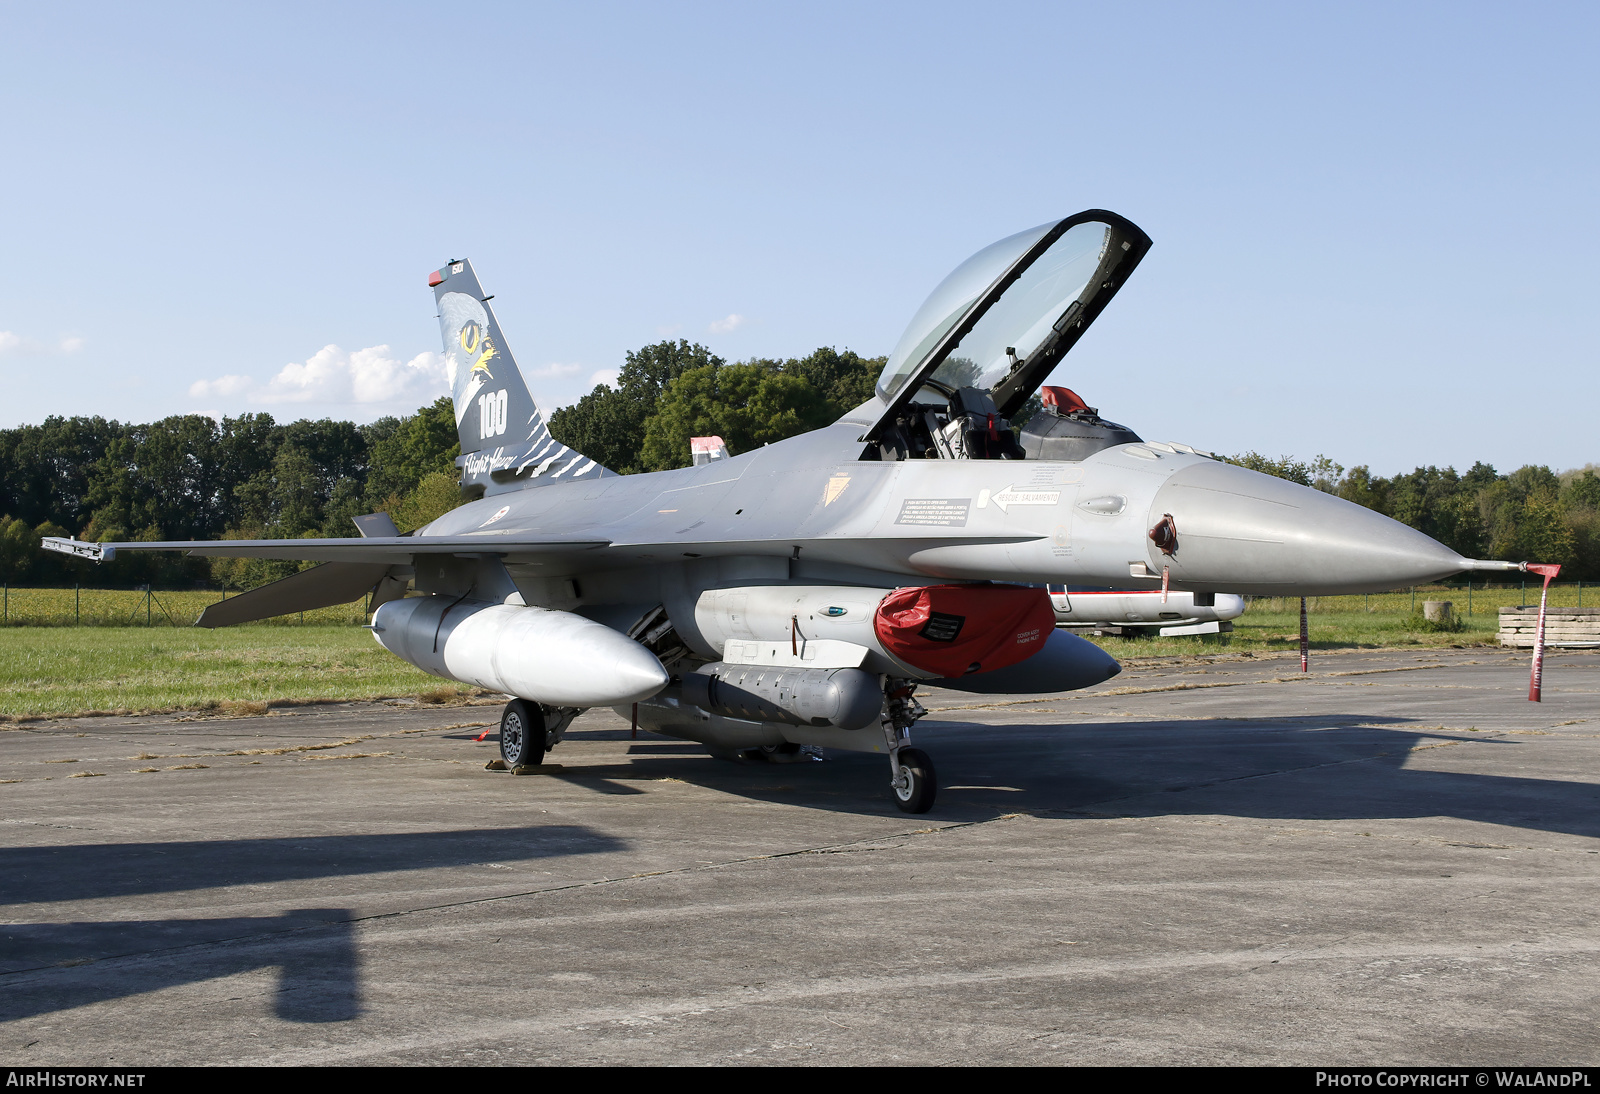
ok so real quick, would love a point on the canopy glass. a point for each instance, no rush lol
(950, 301)
(1003, 318)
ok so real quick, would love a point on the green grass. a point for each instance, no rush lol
(1376, 621)
(73, 670)
(1259, 631)
(129, 608)
(1483, 601)
(61, 669)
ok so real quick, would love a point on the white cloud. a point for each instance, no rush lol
(606, 376)
(11, 341)
(224, 386)
(371, 375)
(728, 325)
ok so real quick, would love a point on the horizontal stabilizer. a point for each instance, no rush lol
(376, 526)
(319, 587)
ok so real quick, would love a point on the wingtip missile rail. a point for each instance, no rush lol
(79, 548)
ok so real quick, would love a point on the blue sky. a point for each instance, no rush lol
(1374, 224)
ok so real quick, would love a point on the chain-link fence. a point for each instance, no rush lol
(143, 606)
(1468, 599)
(150, 607)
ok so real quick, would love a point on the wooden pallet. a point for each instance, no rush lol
(1567, 627)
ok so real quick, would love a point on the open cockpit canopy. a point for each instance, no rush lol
(1002, 321)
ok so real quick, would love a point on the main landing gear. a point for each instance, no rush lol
(522, 734)
(528, 731)
(912, 779)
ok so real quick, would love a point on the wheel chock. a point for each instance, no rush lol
(535, 769)
(495, 765)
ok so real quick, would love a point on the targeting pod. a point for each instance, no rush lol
(843, 698)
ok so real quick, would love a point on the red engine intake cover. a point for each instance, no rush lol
(953, 630)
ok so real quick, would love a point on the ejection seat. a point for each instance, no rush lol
(1067, 428)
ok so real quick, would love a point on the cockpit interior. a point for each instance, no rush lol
(977, 352)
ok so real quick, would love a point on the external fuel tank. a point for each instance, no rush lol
(550, 657)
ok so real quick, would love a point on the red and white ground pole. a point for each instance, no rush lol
(1305, 639)
(1536, 677)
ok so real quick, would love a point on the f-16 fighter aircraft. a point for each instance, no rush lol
(801, 593)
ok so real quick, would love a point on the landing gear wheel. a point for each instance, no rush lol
(915, 787)
(522, 736)
(786, 753)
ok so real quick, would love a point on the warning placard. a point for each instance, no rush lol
(946, 512)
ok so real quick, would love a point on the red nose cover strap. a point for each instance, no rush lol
(953, 630)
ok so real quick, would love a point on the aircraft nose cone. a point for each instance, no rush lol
(1244, 532)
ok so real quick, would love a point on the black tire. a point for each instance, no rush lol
(914, 793)
(522, 734)
(786, 753)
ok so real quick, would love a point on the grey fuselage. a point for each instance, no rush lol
(810, 511)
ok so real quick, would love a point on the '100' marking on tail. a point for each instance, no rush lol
(491, 414)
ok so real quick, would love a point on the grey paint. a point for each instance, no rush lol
(319, 587)
(1239, 531)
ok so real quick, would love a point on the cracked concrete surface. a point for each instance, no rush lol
(1393, 859)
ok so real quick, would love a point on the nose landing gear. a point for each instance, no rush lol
(912, 779)
(915, 783)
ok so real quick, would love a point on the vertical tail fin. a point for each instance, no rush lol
(505, 443)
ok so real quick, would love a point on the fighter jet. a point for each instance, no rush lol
(800, 594)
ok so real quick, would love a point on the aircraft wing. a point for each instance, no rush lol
(391, 550)
(351, 568)
(401, 550)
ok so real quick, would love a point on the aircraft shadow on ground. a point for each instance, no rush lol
(1325, 767)
(40, 875)
(314, 949)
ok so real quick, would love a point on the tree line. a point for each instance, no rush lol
(1532, 514)
(192, 477)
(670, 392)
(251, 477)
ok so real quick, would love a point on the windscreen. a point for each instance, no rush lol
(949, 302)
(1023, 317)
(1043, 297)
(1003, 321)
